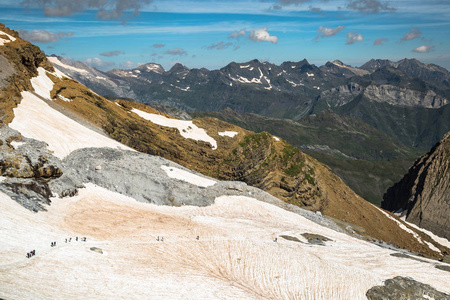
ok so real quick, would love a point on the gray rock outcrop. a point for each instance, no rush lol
(404, 288)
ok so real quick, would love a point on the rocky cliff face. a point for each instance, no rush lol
(424, 193)
(390, 94)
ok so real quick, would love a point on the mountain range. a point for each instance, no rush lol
(177, 208)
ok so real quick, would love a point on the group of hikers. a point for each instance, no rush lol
(53, 244)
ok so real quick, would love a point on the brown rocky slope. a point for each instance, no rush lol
(424, 193)
(258, 159)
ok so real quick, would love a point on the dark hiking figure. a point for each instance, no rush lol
(70, 239)
(275, 240)
(84, 239)
(157, 238)
(76, 239)
(28, 254)
(66, 240)
(198, 237)
(162, 239)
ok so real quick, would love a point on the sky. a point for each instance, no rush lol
(210, 34)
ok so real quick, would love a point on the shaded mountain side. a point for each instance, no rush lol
(366, 159)
(19, 61)
(258, 159)
(369, 179)
(416, 127)
(424, 193)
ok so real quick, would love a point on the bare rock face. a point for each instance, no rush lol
(26, 167)
(405, 97)
(424, 193)
(404, 288)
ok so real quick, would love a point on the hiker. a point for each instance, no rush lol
(162, 239)
(157, 238)
(275, 240)
(28, 254)
(76, 239)
(84, 239)
(70, 239)
(66, 240)
(198, 237)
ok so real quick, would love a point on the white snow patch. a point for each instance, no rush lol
(244, 67)
(188, 177)
(137, 71)
(42, 85)
(276, 138)
(443, 241)
(228, 133)
(64, 98)
(16, 144)
(56, 61)
(184, 89)
(37, 120)
(316, 87)
(293, 83)
(309, 74)
(4, 41)
(117, 104)
(416, 236)
(292, 67)
(99, 77)
(187, 129)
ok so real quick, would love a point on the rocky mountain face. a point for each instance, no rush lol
(423, 195)
(300, 89)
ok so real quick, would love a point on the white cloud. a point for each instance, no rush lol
(412, 34)
(158, 45)
(99, 63)
(353, 37)
(127, 65)
(423, 49)
(328, 31)
(43, 36)
(261, 35)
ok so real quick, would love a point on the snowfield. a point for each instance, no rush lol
(230, 134)
(37, 120)
(4, 41)
(188, 177)
(56, 61)
(34, 118)
(187, 129)
(234, 256)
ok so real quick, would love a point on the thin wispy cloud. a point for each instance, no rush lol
(219, 46)
(423, 49)
(370, 6)
(158, 45)
(237, 34)
(412, 34)
(327, 31)
(353, 37)
(380, 41)
(176, 51)
(111, 53)
(261, 35)
(106, 9)
(43, 36)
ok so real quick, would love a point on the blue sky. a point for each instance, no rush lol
(211, 34)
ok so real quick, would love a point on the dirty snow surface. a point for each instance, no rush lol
(234, 257)
(36, 119)
(187, 129)
(5, 41)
